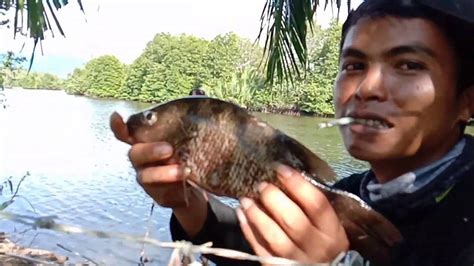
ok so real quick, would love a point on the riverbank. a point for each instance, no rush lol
(267, 110)
(288, 111)
(12, 254)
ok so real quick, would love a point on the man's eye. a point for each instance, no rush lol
(410, 65)
(353, 66)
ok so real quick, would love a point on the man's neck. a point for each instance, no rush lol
(387, 170)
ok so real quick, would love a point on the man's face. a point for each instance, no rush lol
(398, 76)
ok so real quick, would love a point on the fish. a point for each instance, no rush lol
(228, 151)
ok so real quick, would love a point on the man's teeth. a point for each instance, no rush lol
(371, 123)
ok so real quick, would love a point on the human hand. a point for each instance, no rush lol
(162, 178)
(157, 172)
(300, 224)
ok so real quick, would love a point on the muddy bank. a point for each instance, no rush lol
(12, 254)
(286, 111)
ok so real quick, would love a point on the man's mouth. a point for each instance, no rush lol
(374, 123)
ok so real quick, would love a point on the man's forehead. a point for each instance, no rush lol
(382, 34)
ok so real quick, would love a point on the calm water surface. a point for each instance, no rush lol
(81, 173)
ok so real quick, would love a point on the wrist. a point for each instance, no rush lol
(192, 217)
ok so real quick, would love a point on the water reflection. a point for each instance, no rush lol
(326, 143)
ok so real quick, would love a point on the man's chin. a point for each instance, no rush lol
(369, 153)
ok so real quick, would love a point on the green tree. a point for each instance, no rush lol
(242, 88)
(10, 65)
(104, 77)
(222, 57)
(323, 64)
(34, 80)
(171, 65)
(135, 77)
(52, 82)
(28, 80)
(76, 83)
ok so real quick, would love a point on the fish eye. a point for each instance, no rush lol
(150, 117)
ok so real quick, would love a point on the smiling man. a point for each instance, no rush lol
(406, 75)
(405, 88)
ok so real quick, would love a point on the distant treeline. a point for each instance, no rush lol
(226, 67)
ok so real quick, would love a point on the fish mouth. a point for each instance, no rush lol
(133, 123)
(371, 120)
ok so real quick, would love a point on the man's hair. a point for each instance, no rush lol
(459, 33)
(197, 91)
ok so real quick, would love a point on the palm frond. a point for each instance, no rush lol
(37, 18)
(285, 24)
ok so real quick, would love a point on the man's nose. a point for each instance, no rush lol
(372, 86)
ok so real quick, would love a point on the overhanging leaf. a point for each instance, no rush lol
(10, 183)
(5, 204)
(37, 19)
(285, 23)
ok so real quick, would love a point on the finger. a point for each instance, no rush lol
(167, 195)
(310, 199)
(144, 153)
(250, 236)
(290, 217)
(163, 174)
(119, 128)
(268, 233)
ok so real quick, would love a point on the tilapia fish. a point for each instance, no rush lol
(228, 152)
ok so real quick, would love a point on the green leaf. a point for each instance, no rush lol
(5, 204)
(286, 23)
(10, 183)
(55, 19)
(56, 3)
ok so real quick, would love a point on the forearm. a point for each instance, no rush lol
(192, 217)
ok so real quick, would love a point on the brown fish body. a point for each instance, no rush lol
(230, 151)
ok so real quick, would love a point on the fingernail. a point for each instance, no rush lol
(162, 150)
(241, 216)
(186, 171)
(172, 171)
(245, 203)
(284, 171)
(262, 186)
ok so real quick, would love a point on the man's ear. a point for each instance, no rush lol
(467, 104)
(470, 96)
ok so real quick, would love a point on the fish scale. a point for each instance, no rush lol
(229, 151)
(242, 165)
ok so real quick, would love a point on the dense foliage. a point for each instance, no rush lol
(227, 67)
(45, 81)
(101, 77)
(10, 65)
(12, 74)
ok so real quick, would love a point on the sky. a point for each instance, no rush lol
(124, 27)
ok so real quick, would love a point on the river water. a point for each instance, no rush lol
(80, 172)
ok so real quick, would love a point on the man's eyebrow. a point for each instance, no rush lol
(410, 49)
(351, 52)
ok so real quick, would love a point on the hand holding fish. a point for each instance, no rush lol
(162, 178)
(228, 152)
(297, 224)
(284, 225)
